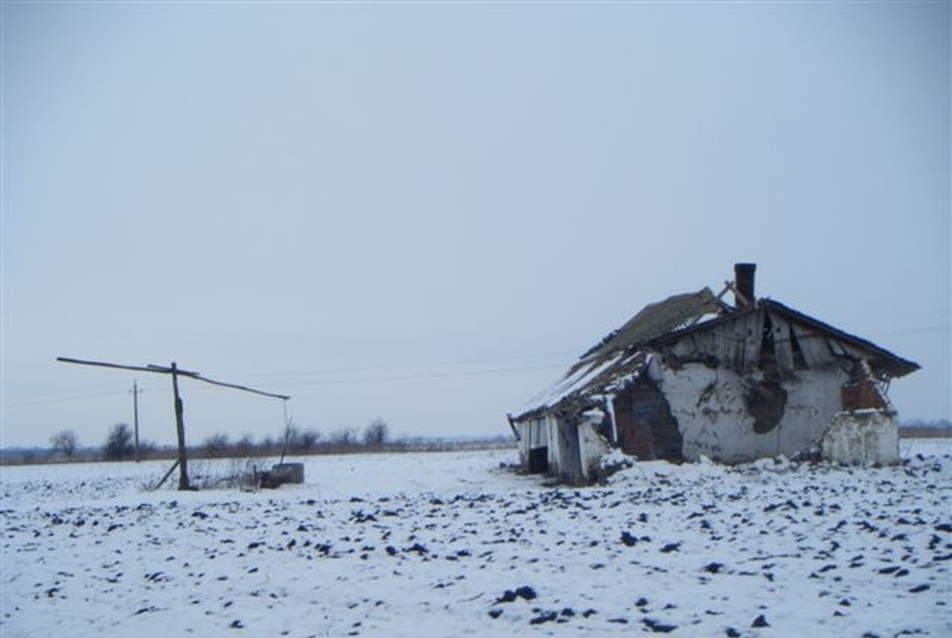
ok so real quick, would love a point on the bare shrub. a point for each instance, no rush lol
(211, 474)
(346, 437)
(377, 433)
(65, 442)
(118, 443)
(217, 445)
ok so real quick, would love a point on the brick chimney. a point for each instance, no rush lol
(744, 284)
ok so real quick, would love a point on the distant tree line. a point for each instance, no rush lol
(921, 429)
(119, 446)
(300, 441)
(295, 441)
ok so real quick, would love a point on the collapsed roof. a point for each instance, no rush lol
(685, 324)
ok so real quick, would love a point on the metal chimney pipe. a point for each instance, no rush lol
(744, 284)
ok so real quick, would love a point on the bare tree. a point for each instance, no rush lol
(269, 444)
(65, 442)
(147, 447)
(376, 433)
(346, 437)
(244, 446)
(118, 443)
(309, 439)
(217, 445)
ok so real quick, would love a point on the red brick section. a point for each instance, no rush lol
(862, 393)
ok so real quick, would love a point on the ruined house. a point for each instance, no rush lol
(695, 376)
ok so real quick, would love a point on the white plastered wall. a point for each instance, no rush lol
(709, 407)
(555, 452)
(592, 447)
(866, 437)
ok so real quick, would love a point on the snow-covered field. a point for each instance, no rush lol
(451, 544)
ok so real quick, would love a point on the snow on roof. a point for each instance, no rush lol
(576, 379)
(612, 361)
(588, 380)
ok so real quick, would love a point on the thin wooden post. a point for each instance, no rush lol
(180, 432)
(167, 475)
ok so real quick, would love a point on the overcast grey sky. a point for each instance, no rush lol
(426, 211)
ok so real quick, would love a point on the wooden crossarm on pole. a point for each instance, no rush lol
(155, 369)
(244, 388)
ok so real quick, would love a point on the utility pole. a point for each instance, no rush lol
(135, 411)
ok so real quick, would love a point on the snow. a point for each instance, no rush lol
(572, 382)
(454, 544)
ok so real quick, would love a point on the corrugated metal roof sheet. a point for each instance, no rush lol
(657, 319)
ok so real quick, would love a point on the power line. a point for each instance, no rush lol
(908, 315)
(489, 371)
(46, 399)
(338, 377)
(944, 328)
(429, 375)
(564, 356)
(317, 382)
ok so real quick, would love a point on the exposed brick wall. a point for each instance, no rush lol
(646, 428)
(861, 393)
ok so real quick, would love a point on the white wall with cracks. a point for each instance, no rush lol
(709, 406)
(864, 437)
